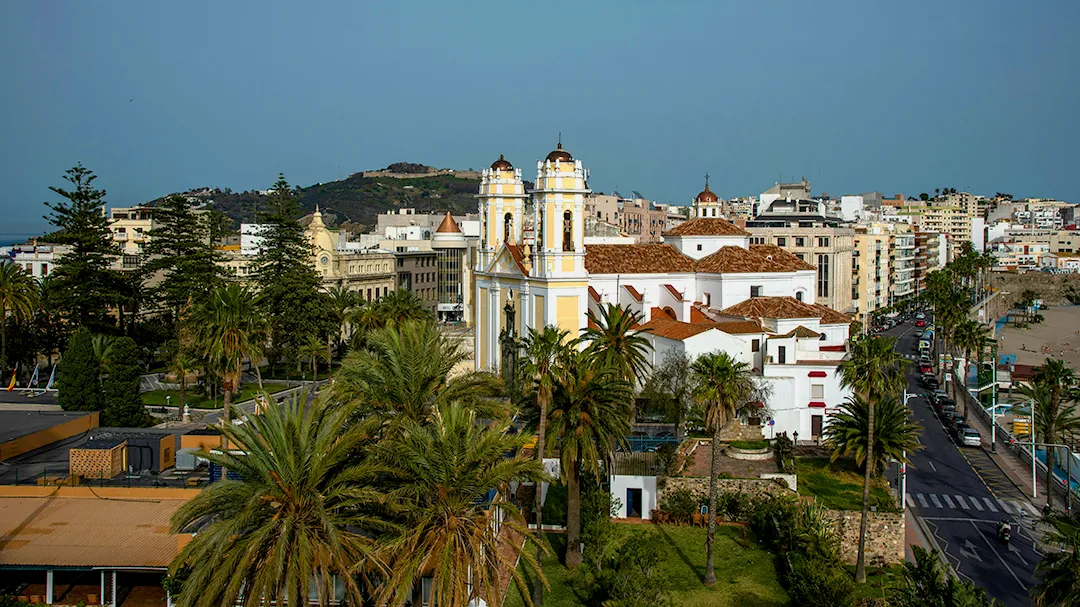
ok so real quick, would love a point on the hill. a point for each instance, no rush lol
(358, 199)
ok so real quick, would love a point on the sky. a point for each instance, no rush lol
(898, 97)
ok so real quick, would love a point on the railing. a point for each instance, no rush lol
(649, 443)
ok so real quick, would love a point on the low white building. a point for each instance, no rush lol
(38, 260)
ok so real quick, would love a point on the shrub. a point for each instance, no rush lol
(749, 444)
(665, 458)
(735, 506)
(775, 520)
(634, 579)
(815, 582)
(679, 503)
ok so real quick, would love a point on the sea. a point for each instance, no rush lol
(6, 240)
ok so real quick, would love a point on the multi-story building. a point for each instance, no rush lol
(824, 242)
(130, 227)
(885, 265)
(902, 263)
(636, 217)
(456, 259)
(418, 272)
(927, 257)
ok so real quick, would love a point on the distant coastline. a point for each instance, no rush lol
(6, 240)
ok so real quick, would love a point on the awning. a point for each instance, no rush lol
(817, 404)
(818, 374)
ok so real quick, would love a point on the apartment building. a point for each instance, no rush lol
(639, 218)
(418, 272)
(886, 266)
(928, 257)
(829, 245)
(130, 227)
(37, 260)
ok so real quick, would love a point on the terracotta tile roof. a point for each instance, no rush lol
(673, 329)
(706, 226)
(635, 259)
(674, 292)
(86, 532)
(784, 307)
(799, 331)
(594, 295)
(697, 315)
(519, 257)
(736, 260)
(661, 313)
(781, 255)
(737, 327)
(633, 293)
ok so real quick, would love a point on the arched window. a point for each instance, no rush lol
(508, 224)
(798, 295)
(568, 231)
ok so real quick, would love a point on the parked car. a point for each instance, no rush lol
(971, 438)
(943, 402)
(946, 413)
(920, 323)
(925, 368)
(920, 316)
(930, 381)
(956, 424)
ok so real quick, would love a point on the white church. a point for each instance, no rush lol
(704, 289)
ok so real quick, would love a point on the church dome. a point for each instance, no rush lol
(502, 164)
(707, 195)
(560, 155)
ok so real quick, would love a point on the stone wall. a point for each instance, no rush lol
(884, 533)
(1048, 286)
(884, 536)
(741, 431)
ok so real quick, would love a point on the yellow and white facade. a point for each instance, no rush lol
(542, 282)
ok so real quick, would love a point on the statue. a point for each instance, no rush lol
(508, 341)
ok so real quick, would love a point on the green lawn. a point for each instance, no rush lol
(746, 576)
(839, 484)
(198, 401)
(289, 372)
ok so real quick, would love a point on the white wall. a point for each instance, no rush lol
(730, 289)
(709, 244)
(620, 483)
(851, 208)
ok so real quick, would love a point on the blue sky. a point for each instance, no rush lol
(893, 96)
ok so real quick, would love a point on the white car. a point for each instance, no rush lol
(971, 438)
(920, 316)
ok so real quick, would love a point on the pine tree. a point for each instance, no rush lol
(85, 285)
(78, 378)
(181, 247)
(289, 292)
(123, 405)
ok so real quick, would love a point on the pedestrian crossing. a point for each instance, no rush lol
(971, 503)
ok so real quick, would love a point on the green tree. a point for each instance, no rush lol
(1059, 570)
(181, 249)
(313, 351)
(305, 514)
(895, 435)
(926, 583)
(971, 337)
(181, 364)
(19, 297)
(613, 338)
(590, 412)
(670, 388)
(875, 371)
(83, 283)
(342, 302)
(404, 373)
(225, 329)
(78, 386)
(289, 288)
(724, 386)
(51, 330)
(1051, 388)
(451, 474)
(543, 352)
(123, 405)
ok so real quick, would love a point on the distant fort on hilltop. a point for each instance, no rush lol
(408, 170)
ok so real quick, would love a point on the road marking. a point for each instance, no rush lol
(994, 550)
(1004, 506)
(948, 500)
(932, 467)
(978, 506)
(910, 499)
(961, 501)
(933, 498)
(990, 504)
(922, 500)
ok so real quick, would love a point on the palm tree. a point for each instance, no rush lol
(19, 297)
(1052, 382)
(314, 351)
(895, 434)
(971, 337)
(1059, 571)
(397, 307)
(181, 365)
(342, 302)
(405, 372)
(590, 412)
(102, 345)
(301, 518)
(613, 336)
(874, 371)
(449, 476)
(543, 351)
(226, 328)
(724, 385)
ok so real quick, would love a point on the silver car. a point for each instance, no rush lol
(971, 438)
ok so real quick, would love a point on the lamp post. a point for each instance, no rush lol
(903, 464)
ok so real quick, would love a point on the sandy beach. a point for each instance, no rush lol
(1058, 336)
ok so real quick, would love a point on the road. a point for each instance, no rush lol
(961, 495)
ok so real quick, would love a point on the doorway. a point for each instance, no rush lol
(815, 426)
(633, 503)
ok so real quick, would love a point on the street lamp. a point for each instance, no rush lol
(903, 464)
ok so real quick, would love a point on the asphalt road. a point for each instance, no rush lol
(962, 495)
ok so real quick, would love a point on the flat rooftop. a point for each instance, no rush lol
(16, 424)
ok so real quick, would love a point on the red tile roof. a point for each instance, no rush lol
(673, 329)
(737, 260)
(706, 226)
(781, 255)
(674, 292)
(784, 307)
(635, 259)
(594, 295)
(633, 293)
(519, 257)
(800, 331)
(738, 327)
(656, 312)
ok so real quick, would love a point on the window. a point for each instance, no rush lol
(44, 269)
(568, 231)
(801, 256)
(822, 241)
(798, 295)
(781, 355)
(755, 291)
(757, 240)
(817, 391)
(800, 241)
(781, 241)
(708, 299)
(755, 345)
(699, 247)
(823, 275)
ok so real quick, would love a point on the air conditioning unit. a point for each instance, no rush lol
(186, 459)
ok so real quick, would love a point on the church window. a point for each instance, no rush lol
(508, 224)
(568, 231)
